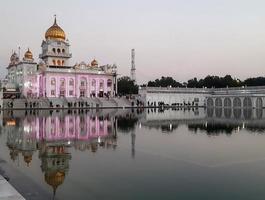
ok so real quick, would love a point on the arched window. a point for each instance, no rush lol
(62, 82)
(63, 51)
(53, 81)
(62, 87)
(54, 51)
(109, 83)
(218, 112)
(227, 102)
(58, 50)
(259, 103)
(218, 102)
(209, 102)
(210, 112)
(237, 112)
(63, 62)
(259, 113)
(58, 62)
(227, 112)
(94, 82)
(83, 82)
(101, 84)
(237, 102)
(247, 102)
(71, 82)
(247, 112)
(54, 62)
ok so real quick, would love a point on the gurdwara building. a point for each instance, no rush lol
(52, 76)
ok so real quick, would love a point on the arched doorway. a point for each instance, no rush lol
(227, 102)
(83, 87)
(62, 87)
(237, 102)
(210, 102)
(218, 102)
(247, 102)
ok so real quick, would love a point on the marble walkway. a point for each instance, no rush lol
(7, 191)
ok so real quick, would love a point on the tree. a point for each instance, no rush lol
(127, 86)
(164, 82)
(193, 83)
(259, 81)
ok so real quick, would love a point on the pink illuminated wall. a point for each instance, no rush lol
(70, 127)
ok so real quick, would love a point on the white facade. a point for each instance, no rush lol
(19, 70)
(173, 96)
(55, 53)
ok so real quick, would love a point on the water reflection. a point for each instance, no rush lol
(53, 136)
(213, 121)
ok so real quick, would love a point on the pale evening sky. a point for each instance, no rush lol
(182, 39)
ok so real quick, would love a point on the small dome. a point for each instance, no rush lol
(55, 32)
(14, 57)
(55, 179)
(94, 63)
(28, 55)
(27, 159)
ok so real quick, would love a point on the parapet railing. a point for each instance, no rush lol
(214, 91)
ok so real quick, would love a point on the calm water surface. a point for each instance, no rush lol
(140, 154)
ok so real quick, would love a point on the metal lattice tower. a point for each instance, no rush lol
(133, 74)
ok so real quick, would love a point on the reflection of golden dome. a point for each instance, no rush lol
(27, 159)
(55, 179)
(94, 147)
(13, 152)
(28, 55)
(55, 32)
(94, 63)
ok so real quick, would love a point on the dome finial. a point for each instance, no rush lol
(55, 20)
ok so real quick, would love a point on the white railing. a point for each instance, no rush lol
(214, 91)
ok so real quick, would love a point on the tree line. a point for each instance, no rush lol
(208, 81)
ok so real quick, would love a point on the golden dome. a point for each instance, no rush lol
(94, 63)
(27, 159)
(55, 179)
(28, 55)
(55, 32)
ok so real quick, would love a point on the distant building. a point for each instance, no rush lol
(247, 97)
(155, 96)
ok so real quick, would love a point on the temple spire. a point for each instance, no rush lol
(55, 20)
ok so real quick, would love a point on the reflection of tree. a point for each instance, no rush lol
(127, 123)
(213, 129)
(254, 128)
(168, 128)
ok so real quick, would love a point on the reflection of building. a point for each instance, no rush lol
(55, 162)
(53, 136)
(20, 141)
(169, 120)
(53, 76)
(212, 120)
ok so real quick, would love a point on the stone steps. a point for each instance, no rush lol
(44, 103)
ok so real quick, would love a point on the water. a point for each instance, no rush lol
(144, 154)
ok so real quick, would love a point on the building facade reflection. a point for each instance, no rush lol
(53, 136)
(212, 120)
